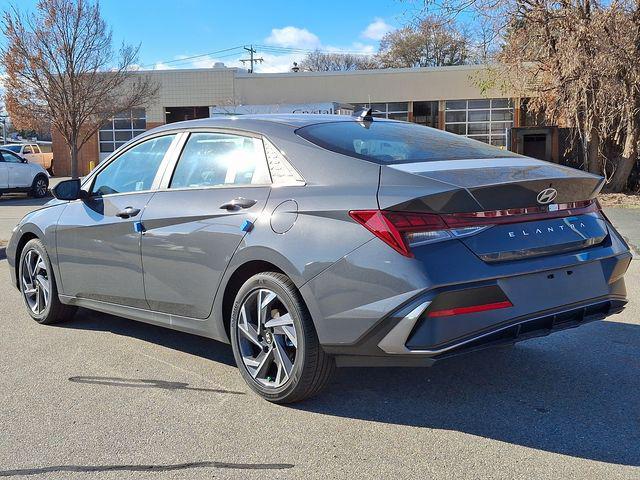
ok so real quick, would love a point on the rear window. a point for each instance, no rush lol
(397, 142)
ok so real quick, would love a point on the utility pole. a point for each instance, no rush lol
(4, 128)
(251, 59)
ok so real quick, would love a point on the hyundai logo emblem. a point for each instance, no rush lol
(547, 195)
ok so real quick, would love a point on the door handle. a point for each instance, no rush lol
(238, 203)
(128, 212)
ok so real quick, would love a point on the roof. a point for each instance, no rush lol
(296, 120)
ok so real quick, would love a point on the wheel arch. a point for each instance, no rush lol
(25, 237)
(245, 264)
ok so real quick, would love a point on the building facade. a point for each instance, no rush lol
(448, 98)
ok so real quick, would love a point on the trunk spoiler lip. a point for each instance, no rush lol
(426, 167)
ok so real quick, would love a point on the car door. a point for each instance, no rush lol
(28, 152)
(20, 173)
(194, 224)
(4, 172)
(37, 156)
(98, 238)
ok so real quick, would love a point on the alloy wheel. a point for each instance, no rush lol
(267, 338)
(36, 283)
(41, 187)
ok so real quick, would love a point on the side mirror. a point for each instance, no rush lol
(24, 160)
(69, 190)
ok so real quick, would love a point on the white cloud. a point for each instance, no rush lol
(293, 37)
(274, 63)
(275, 60)
(376, 29)
(162, 66)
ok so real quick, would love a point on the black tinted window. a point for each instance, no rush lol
(391, 142)
(11, 157)
(135, 169)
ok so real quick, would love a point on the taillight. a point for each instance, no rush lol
(403, 230)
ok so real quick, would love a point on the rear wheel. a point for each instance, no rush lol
(274, 342)
(38, 285)
(40, 186)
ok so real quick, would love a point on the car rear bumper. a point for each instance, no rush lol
(536, 325)
(389, 321)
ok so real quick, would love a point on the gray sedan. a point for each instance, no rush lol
(310, 242)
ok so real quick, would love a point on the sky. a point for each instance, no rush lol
(170, 31)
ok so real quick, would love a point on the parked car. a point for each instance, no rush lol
(314, 241)
(18, 175)
(34, 154)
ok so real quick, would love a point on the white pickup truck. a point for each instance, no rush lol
(33, 153)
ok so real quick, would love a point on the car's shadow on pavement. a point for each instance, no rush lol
(575, 393)
(184, 342)
(18, 200)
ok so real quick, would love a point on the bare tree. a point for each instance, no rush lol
(431, 42)
(318, 61)
(578, 63)
(60, 65)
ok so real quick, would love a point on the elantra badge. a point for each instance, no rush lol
(547, 195)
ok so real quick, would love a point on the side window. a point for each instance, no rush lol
(135, 169)
(27, 149)
(11, 157)
(215, 159)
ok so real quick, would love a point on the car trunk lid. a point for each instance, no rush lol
(530, 207)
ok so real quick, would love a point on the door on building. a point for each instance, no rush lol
(180, 114)
(194, 225)
(99, 237)
(534, 142)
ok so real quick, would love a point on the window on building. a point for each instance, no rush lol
(122, 128)
(392, 110)
(181, 114)
(487, 120)
(426, 113)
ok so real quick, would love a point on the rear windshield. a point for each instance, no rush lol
(397, 142)
(13, 148)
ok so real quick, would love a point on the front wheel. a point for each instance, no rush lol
(40, 186)
(274, 342)
(38, 285)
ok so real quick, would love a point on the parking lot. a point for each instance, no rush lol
(105, 397)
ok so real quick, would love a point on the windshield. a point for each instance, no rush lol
(397, 142)
(13, 148)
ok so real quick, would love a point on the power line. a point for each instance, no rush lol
(277, 49)
(179, 60)
(252, 60)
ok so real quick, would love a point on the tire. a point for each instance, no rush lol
(311, 366)
(51, 172)
(39, 187)
(53, 311)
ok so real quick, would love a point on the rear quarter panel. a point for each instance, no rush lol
(315, 230)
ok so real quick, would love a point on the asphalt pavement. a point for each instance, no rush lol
(105, 397)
